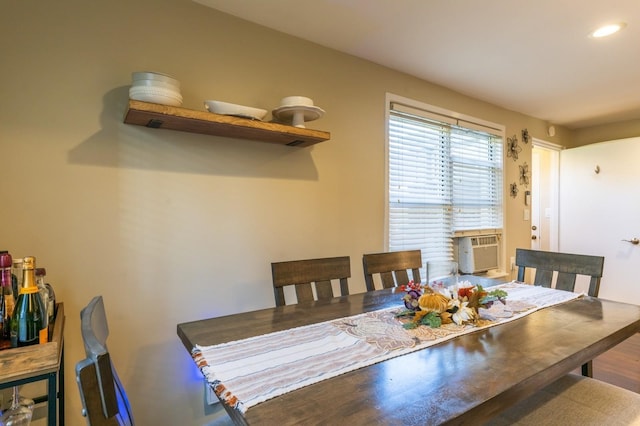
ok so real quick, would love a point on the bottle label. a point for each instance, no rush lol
(44, 336)
(25, 337)
(9, 303)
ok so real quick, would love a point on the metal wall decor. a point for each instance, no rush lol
(524, 174)
(525, 136)
(513, 149)
(513, 190)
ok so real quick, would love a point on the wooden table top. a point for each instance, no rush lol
(464, 380)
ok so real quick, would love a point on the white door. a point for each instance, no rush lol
(600, 209)
(545, 159)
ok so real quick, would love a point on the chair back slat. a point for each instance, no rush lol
(402, 276)
(566, 281)
(304, 292)
(543, 278)
(324, 290)
(309, 273)
(392, 267)
(387, 278)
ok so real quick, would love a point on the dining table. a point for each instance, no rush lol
(467, 379)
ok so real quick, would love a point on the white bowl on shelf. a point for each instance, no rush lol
(149, 75)
(226, 108)
(155, 90)
(157, 99)
(296, 101)
(156, 95)
(155, 83)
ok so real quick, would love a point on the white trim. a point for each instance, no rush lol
(443, 114)
(547, 145)
(387, 102)
(554, 195)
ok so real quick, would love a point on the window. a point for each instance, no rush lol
(444, 178)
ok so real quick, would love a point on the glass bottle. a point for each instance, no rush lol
(51, 309)
(44, 293)
(16, 277)
(6, 294)
(29, 311)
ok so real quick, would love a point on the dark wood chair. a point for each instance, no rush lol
(393, 267)
(568, 266)
(104, 400)
(310, 273)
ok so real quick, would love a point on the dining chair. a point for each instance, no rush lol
(567, 266)
(574, 400)
(104, 400)
(393, 268)
(309, 274)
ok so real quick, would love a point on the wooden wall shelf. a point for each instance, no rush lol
(207, 123)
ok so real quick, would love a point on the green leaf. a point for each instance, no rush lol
(432, 319)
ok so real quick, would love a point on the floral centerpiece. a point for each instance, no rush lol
(434, 306)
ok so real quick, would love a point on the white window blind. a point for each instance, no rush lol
(445, 175)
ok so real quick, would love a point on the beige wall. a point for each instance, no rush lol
(172, 227)
(589, 135)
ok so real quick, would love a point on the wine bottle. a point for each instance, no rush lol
(44, 293)
(7, 301)
(29, 311)
(16, 277)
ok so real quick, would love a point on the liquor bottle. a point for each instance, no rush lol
(16, 277)
(44, 293)
(7, 301)
(29, 311)
(51, 309)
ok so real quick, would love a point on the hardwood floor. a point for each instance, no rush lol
(620, 365)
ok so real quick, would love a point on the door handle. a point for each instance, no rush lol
(633, 241)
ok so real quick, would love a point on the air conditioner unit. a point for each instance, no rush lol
(477, 254)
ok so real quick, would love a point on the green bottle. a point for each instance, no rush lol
(29, 310)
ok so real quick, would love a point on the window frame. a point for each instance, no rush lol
(450, 116)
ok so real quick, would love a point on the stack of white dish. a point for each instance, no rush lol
(155, 87)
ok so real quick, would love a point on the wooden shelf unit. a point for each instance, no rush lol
(187, 120)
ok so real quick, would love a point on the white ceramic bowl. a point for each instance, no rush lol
(296, 101)
(154, 83)
(225, 108)
(148, 75)
(154, 90)
(157, 99)
(156, 95)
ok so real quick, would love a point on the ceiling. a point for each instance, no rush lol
(530, 56)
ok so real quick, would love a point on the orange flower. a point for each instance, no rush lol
(465, 292)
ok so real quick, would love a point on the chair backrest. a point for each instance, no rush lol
(304, 274)
(567, 265)
(104, 399)
(393, 267)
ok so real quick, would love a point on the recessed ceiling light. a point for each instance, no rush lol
(607, 30)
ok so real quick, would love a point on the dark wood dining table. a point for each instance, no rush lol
(465, 380)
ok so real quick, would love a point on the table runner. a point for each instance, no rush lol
(247, 372)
